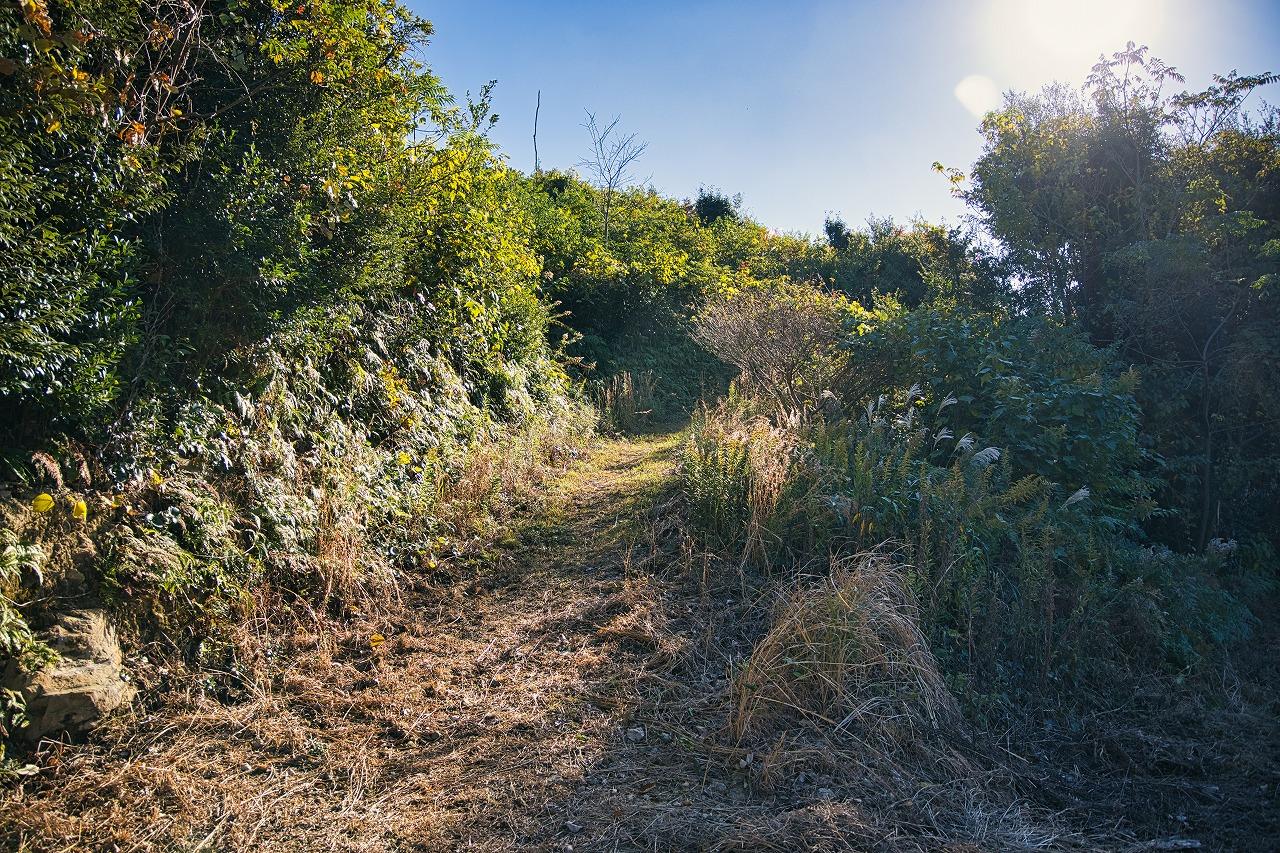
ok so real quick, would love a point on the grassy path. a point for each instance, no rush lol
(480, 712)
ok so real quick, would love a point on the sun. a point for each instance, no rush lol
(1095, 25)
(1032, 42)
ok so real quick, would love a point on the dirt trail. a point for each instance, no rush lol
(473, 723)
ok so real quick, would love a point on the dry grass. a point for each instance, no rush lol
(846, 650)
(771, 456)
(502, 472)
(453, 732)
(349, 569)
(626, 400)
(731, 747)
(834, 730)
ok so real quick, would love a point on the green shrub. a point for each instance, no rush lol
(17, 642)
(1038, 390)
(1005, 565)
(73, 187)
(1022, 583)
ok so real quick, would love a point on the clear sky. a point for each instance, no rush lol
(810, 107)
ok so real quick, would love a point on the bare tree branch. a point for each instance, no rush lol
(610, 161)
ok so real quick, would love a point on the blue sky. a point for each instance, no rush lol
(809, 107)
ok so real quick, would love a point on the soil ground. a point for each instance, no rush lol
(568, 692)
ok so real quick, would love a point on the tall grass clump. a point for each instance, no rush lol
(749, 486)
(845, 648)
(845, 665)
(626, 401)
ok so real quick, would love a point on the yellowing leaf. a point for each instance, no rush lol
(53, 126)
(37, 14)
(79, 510)
(134, 133)
(156, 479)
(404, 458)
(377, 641)
(317, 77)
(43, 502)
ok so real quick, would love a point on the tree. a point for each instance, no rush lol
(610, 161)
(713, 205)
(1153, 220)
(837, 233)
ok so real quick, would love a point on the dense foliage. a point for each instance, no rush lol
(266, 292)
(1152, 221)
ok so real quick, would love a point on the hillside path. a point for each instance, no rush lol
(474, 724)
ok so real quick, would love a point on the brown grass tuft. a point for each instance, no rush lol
(847, 651)
(626, 400)
(47, 465)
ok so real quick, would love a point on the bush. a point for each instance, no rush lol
(17, 642)
(1036, 389)
(297, 302)
(1004, 564)
(1023, 583)
(73, 188)
(783, 338)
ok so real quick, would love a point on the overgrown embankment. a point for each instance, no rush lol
(956, 503)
